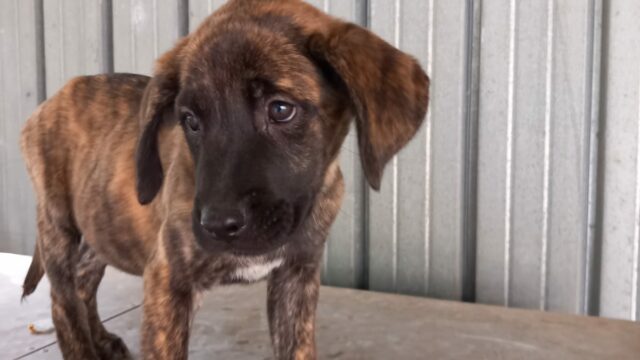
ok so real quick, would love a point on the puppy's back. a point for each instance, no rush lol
(70, 129)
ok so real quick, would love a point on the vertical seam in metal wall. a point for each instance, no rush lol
(600, 171)
(353, 255)
(364, 19)
(594, 54)
(18, 59)
(397, 40)
(19, 84)
(133, 35)
(183, 18)
(61, 26)
(155, 29)
(547, 155)
(471, 149)
(427, 168)
(83, 13)
(40, 54)
(509, 155)
(81, 39)
(3, 124)
(636, 227)
(18, 69)
(107, 36)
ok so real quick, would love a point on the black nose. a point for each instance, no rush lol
(223, 224)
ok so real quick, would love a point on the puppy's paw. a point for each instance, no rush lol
(111, 347)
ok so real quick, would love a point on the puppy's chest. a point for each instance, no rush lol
(229, 269)
(252, 270)
(234, 270)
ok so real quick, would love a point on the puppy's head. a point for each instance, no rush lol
(264, 92)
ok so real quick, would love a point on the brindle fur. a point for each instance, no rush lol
(120, 181)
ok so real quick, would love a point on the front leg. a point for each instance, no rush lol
(292, 296)
(167, 313)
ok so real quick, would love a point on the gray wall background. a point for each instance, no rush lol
(521, 189)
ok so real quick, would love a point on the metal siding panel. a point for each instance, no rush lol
(142, 31)
(529, 139)
(321, 4)
(399, 237)
(619, 273)
(535, 122)
(74, 31)
(200, 9)
(167, 24)
(448, 135)
(496, 84)
(414, 164)
(569, 157)
(19, 82)
(346, 9)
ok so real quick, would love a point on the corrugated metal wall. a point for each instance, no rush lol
(521, 189)
(536, 108)
(21, 81)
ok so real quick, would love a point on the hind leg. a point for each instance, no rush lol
(90, 271)
(60, 256)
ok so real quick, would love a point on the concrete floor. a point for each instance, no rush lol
(351, 325)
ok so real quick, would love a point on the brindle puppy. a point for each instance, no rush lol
(221, 168)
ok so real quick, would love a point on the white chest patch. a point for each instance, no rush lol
(256, 271)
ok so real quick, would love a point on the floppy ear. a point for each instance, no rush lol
(388, 89)
(157, 98)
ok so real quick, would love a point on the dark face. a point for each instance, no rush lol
(253, 125)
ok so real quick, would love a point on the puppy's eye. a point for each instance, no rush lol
(190, 120)
(280, 111)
